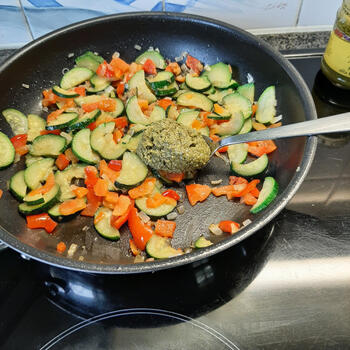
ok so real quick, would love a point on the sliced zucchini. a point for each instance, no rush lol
(36, 124)
(133, 172)
(168, 90)
(89, 60)
(215, 116)
(202, 242)
(162, 179)
(49, 145)
(232, 127)
(64, 93)
(50, 199)
(64, 179)
(138, 83)
(63, 121)
(84, 120)
(75, 77)
(54, 212)
(210, 91)
(267, 194)
(248, 91)
(7, 151)
(180, 92)
(82, 149)
(187, 118)
(161, 80)
(154, 213)
(247, 126)
(34, 199)
(101, 141)
(220, 75)
(17, 185)
(218, 95)
(159, 248)
(137, 129)
(155, 56)
(104, 227)
(88, 99)
(254, 168)
(267, 102)
(17, 120)
(119, 109)
(237, 153)
(98, 84)
(199, 84)
(157, 114)
(195, 99)
(31, 159)
(37, 172)
(136, 116)
(134, 142)
(172, 112)
(237, 103)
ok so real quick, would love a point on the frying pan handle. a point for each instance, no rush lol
(336, 123)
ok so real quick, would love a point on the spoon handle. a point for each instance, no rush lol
(336, 123)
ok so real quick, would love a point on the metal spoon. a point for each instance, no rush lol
(336, 123)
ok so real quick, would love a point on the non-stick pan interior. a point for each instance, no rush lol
(40, 66)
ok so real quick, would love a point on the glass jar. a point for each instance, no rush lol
(335, 63)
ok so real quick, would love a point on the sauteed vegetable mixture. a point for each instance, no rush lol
(91, 154)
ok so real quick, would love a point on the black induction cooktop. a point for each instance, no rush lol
(286, 287)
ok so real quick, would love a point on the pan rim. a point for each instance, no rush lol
(271, 212)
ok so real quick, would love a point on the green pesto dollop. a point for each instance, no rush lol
(169, 146)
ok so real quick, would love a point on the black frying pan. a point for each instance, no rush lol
(40, 65)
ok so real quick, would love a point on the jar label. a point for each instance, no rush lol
(337, 54)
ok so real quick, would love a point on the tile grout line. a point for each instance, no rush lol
(26, 19)
(298, 13)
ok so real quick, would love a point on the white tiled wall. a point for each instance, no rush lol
(24, 20)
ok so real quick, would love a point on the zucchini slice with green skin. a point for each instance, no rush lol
(202, 242)
(89, 60)
(267, 194)
(247, 126)
(134, 142)
(187, 118)
(17, 185)
(88, 99)
(162, 179)
(31, 159)
(195, 99)
(65, 177)
(55, 214)
(75, 77)
(49, 145)
(17, 120)
(161, 80)
(199, 84)
(50, 199)
(82, 149)
(84, 120)
(157, 114)
(218, 95)
(7, 151)
(155, 56)
(172, 112)
(36, 124)
(159, 248)
(220, 75)
(237, 153)
(138, 83)
(232, 127)
(33, 200)
(104, 227)
(98, 84)
(64, 93)
(133, 172)
(37, 172)
(154, 213)
(101, 141)
(63, 121)
(248, 91)
(119, 109)
(167, 90)
(237, 103)
(215, 116)
(137, 129)
(267, 102)
(254, 168)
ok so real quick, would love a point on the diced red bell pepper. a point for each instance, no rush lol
(197, 193)
(140, 231)
(62, 161)
(171, 193)
(91, 176)
(115, 164)
(93, 202)
(194, 64)
(41, 221)
(149, 67)
(20, 143)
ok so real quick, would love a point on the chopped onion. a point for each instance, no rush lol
(215, 230)
(181, 209)
(70, 55)
(216, 182)
(109, 89)
(137, 47)
(17, 158)
(246, 222)
(297, 169)
(138, 259)
(150, 48)
(234, 228)
(172, 216)
(72, 249)
(207, 68)
(224, 158)
(178, 59)
(26, 86)
(45, 109)
(188, 250)
(81, 258)
(156, 49)
(68, 137)
(116, 54)
(144, 217)
(277, 119)
(149, 260)
(250, 78)
(85, 228)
